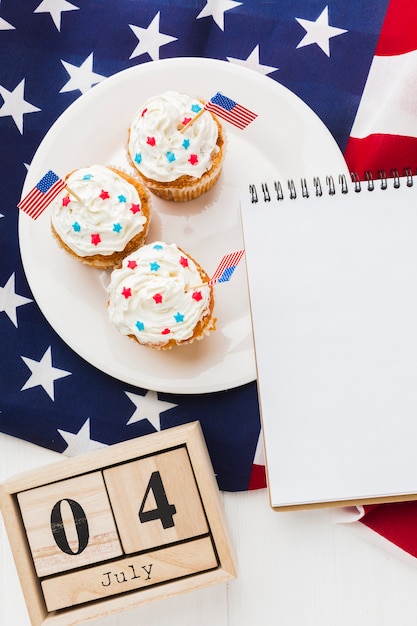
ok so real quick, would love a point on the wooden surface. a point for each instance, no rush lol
(293, 568)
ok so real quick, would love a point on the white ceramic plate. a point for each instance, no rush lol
(286, 140)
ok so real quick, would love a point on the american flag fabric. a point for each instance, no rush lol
(231, 111)
(42, 194)
(352, 61)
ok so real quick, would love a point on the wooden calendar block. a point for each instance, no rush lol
(112, 529)
(153, 505)
(69, 524)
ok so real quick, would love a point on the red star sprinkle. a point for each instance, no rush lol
(66, 201)
(132, 264)
(197, 296)
(104, 194)
(135, 208)
(184, 261)
(95, 239)
(127, 292)
(143, 112)
(166, 331)
(158, 298)
(186, 120)
(151, 141)
(193, 159)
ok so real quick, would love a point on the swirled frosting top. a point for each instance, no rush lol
(98, 213)
(159, 148)
(158, 295)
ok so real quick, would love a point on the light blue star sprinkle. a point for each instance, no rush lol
(195, 108)
(138, 158)
(170, 156)
(88, 176)
(117, 227)
(121, 198)
(179, 317)
(76, 227)
(154, 266)
(140, 325)
(157, 246)
(186, 143)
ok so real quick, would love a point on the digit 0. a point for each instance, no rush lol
(81, 526)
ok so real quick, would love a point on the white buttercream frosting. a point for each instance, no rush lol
(98, 213)
(162, 152)
(157, 295)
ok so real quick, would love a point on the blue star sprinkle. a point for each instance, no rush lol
(117, 227)
(76, 227)
(186, 143)
(179, 317)
(121, 198)
(170, 156)
(154, 266)
(138, 158)
(140, 326)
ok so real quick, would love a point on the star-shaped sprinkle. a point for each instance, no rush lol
(179, 317)
(252, 62)
(122, 198)
(186, 121)
(157, 246)
(95, 239)
(170, 156)
(154, 266)
(158, 298)
(10, 300)
(132, 264)
(76, 227)
(15, 105)
(197, 296)
(143, 112)
(195, 108)
(88, 176)
(140, 326)
(319, 31)
(148, 407)
(82, 77)
(126, 292)
(135, 208)
(43, 373)
(80, 442)
(104, 195)
(186, 144)
(151, 141)
(184, 261)
(193, 159)
(166, 331)
(150, 39)
(117, 227)
(138, 158)
(216, 9)
(66, 200)
(55, 8)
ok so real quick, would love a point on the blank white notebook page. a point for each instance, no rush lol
(333, 291)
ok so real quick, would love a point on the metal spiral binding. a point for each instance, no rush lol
(330, 186)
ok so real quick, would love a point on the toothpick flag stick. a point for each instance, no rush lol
(182, 127)
(224, 270)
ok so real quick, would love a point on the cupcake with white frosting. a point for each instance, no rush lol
(101, 216)
(176, 146)
(161, 297)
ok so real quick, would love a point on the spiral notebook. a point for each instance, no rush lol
(332, 273)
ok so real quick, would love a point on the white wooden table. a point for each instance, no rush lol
(294, 568)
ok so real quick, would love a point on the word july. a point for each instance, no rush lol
(122, 578)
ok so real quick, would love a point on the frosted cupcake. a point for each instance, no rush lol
(160, 297)
(101, 216)
(176, 146)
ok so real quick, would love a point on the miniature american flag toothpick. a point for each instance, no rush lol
(226, 267)
(230, 110)
(42, 194)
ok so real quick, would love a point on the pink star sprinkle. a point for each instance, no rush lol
(186, 121)
(132, 265)
(95, 239)
(66, 201)
(127, 292)
(151, 141)
(184, 261)
(104, 194)
(166, 331)
(158, 298)
(135, 208)
(143, 112)
(197, 296)
(193, 159)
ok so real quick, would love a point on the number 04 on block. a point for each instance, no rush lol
(112, 529)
